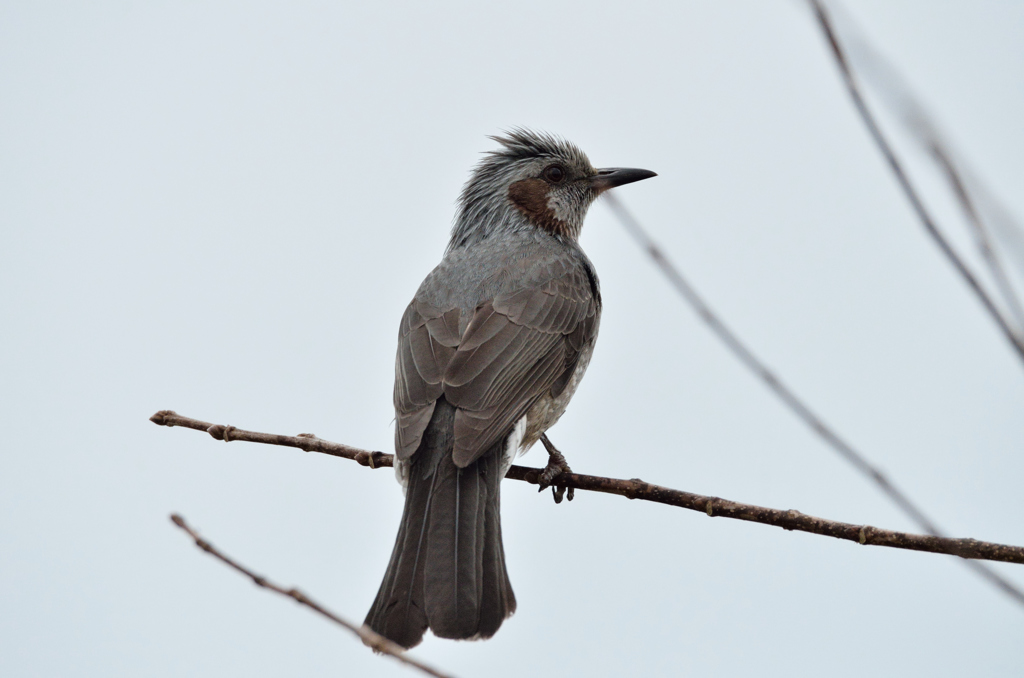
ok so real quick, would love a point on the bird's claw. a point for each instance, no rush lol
(556, 466)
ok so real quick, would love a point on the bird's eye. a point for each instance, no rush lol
(554, 174)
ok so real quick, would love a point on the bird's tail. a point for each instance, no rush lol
(447, 571)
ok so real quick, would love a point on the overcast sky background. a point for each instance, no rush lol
(223, 209)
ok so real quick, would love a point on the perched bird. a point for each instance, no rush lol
(490, 350)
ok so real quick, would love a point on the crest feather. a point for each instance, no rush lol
(520, 143)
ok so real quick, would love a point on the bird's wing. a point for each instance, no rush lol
(518, 346)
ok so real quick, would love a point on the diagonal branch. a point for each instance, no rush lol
(864, 59)
(374, 640)
(984, 240)
(786, 394)
(638, 489)
(1016, 341)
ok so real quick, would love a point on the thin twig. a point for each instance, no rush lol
(984, 240)
(370, 638)
(904, 181)
(864, 59)
(786, 395)
(638, 489)
(1004, 224)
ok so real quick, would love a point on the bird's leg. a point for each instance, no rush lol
(556, 467)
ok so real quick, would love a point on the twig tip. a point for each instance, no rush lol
(160, 418)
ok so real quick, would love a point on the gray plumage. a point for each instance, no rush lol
(490, 351)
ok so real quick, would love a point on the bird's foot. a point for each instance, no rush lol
(556, 467)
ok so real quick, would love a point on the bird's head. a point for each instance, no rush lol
(534, 180)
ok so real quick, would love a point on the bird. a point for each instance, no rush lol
(490, 350)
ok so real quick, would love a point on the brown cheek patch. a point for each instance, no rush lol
(531, 196)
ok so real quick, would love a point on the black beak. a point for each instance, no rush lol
(617, 176)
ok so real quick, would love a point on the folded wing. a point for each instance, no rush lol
(516, 347)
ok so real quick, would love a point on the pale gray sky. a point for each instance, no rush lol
(223, 208)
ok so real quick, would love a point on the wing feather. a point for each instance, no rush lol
(516, 347)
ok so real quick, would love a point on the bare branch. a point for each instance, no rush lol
(904, 181)
(800, 408)
(865, 60)
(638, 489)
(374, 640)
(984, 241)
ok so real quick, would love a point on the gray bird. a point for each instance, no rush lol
(490, 351)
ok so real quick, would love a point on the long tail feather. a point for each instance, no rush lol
(447, 570)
